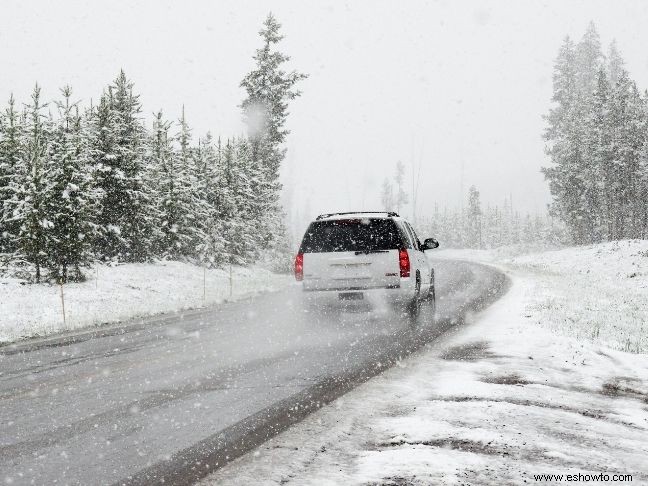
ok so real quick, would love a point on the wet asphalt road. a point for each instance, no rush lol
(170, 399)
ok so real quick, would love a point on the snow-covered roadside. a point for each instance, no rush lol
(117, 293)
(597, 293)
(499, 402)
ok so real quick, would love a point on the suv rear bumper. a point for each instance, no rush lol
(354, 289)
(397, 294)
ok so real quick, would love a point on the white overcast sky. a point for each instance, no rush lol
(448, 83)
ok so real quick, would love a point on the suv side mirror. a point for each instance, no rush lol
(430, 244)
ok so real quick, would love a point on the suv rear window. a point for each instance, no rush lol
(351, 235)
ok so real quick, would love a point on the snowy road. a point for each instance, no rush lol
(176, 398)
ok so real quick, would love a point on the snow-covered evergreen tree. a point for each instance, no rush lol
(575, 81)
(642, 199)
(160, 159)
(269, 88)
(118, 148)
(628, 125)
(589, 58)
(595, 169)
(399, 179)
(211, 247)
(232, 187)
(387, 195)
(615, 63)
(196, 208)
(107, 177)
(474, 216)
(27, 203)
(179, 204)
(12, 173)
(564, 90)
(70, 200)
(565, 137)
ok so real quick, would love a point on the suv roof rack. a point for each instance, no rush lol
(391, 214)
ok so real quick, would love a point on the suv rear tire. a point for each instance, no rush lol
(414, 307)
(432, 299)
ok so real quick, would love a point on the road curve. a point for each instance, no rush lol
(171, 399)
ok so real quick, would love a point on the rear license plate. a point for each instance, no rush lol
(351, 296)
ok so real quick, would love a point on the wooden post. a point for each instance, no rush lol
(231, 284)
(204, 285)
(63, 303)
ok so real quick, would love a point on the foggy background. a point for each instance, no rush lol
(459, 87)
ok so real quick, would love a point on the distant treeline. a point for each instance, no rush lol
(597, 134)
(472, 226)
(492, 227)
(84, 184)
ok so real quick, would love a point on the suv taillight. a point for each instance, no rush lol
(299, 267)
(404, 263)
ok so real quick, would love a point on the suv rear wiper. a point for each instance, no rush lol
(366, 252)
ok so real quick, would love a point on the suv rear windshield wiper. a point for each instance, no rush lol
(366, 252)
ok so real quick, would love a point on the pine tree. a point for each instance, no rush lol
(565, 135)
(212, 245)
(387, 195)
(161, 161)
(615, 63)
(399, 179)
(172, 207)
(179, 204)
(588, 58)
(12, 172)
(27, 204)
(193, 208)
(564, 90)
(250, 204)
(106, 174)
(564, 99)
(118, 151)
(232, 207)
(628, 125)
(70, 202)
(596, 161)
(474, 223)
(269, 89)
(643, 180)
(600, 139)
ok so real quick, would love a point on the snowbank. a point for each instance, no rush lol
(122, 292)
(597, 293)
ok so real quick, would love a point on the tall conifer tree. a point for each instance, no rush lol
(27, 207)
(12, 173)
(71, 201)
(269, 89)
(118, 152)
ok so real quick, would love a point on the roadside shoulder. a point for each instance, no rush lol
(121, 298)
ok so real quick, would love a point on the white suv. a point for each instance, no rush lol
(351, 256)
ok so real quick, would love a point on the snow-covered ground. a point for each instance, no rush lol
(117, 293)
(597, 293)
(503, 400)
